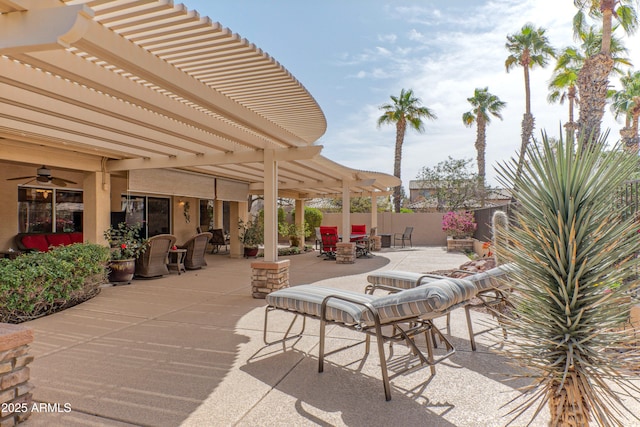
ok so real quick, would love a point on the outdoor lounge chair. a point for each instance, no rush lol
(218, 239)
(196, 247)
(330, 239)
(403, 236)
(408, 313)
(153, 262)
(493, 290)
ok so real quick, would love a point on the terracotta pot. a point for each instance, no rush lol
(122, 270)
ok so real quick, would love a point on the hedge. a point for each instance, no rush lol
(41, 283)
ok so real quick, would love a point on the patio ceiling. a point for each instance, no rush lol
(149, 84)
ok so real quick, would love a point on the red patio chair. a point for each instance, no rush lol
(330, 239)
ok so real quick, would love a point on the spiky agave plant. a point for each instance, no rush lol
(570, 242)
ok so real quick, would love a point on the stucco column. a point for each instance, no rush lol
(237, 211)
(270, 206)
(346, 212)
(374, 210)
(218, 214)
(300, 219)
(270, 275)
(97, 206)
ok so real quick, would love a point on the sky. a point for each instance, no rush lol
(352, 55)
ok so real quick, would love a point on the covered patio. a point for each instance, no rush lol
(188, 350)
(146, 99)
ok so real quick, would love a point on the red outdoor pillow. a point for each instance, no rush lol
(35, 241)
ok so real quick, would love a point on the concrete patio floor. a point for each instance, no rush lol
(188, 350)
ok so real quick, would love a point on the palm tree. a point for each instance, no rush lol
(484, 106)
(406, 110)
(626, 101)
(528, 48)
(593, 79)
(563, 84)
(572, 251)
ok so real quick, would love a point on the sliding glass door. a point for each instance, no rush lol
(154, 213)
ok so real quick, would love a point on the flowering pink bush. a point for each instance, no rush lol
(458, 224)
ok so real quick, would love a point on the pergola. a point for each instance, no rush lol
(134, 85)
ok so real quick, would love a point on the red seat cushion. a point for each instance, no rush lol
(359, 229)
(76, 237)
(35, 241)
(61, 239)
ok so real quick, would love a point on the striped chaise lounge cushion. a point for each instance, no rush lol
(434, 298)
(401, 279)
(406, 280)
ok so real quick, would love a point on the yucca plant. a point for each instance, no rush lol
(570, 242)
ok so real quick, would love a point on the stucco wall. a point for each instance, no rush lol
(182, 229)
(427, 227)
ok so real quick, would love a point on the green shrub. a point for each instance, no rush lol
(312, 217)
(41, 283)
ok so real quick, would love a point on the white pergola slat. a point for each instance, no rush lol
(148, 84)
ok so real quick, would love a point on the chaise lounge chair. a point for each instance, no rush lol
(408, 313)
(493, 290)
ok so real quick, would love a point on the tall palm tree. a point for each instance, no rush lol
(405, 110)
(626, 102)
(484, 106)
(593, 79)
(528, 48)
(572, 250)
(563, 83)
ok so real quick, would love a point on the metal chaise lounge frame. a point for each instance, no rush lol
(493, 291)
(408, 313)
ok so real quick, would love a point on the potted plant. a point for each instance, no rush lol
(459, 226)
(294, 232)
(251, 235)
(126, 245)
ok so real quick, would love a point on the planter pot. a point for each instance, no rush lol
(122, 270)
(250, 252)
(294, 241)
(459, 244)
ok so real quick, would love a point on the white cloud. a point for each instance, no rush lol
(416, 35)
(389, 38)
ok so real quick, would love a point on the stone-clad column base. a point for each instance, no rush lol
(345, 253)
(267, 277)
(15, 389)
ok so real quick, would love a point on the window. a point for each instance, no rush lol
(154, 213)
(46, 210)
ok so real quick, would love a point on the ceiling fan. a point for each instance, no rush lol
(43, 174)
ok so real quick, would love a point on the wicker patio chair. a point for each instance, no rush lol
(153, 262)
(196, 247)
